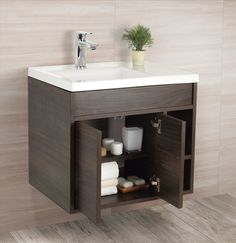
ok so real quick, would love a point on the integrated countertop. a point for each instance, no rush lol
(110, 75)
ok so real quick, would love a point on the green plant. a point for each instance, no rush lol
(138, 37)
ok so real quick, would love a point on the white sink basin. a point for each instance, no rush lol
(108, 76)
(98, 74)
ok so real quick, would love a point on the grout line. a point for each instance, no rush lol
(190, 225)
(215, 210)
(221, 92)
(114, 31)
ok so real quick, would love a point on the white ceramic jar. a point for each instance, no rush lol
(106, 142)
(117, 148)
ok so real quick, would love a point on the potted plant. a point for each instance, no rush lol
(138, 38)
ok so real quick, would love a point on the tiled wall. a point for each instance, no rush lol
(198, 35)
(188, 35)
(227, 166)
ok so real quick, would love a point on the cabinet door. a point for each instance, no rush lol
(169, 158)
(88, 170)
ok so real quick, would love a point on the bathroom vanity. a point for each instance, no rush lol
(69, 113)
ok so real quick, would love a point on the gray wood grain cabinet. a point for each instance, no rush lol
(66, 131)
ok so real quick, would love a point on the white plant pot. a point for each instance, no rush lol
(138, 58)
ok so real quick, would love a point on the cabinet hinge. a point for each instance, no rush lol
(156, 183)
(157, 125)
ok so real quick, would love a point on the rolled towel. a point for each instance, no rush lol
(109, 170)
(125, 183)
(109, 190)
(111, 182)
(136, 180)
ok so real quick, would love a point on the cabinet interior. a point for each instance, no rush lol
(140, 163)
(133, 163)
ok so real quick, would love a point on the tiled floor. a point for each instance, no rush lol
(211, 219)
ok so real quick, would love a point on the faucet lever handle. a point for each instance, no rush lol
(82, 35)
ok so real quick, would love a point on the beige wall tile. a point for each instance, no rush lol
(37, 33)
(228, 101)
(188, 35)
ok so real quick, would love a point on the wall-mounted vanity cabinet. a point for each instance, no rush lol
(65, 136)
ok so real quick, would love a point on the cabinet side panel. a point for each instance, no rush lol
(50, 142)
(193, 134)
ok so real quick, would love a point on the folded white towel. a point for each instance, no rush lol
(136, 180)
(109, 190)
(109, 170)
(111, 182)
(125, 183)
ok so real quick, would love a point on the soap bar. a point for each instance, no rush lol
(124, 183)
(103, 152)
(136, 180)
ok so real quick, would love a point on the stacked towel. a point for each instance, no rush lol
(109, 175)
(110, 190)
(108, 183)
(110, 170)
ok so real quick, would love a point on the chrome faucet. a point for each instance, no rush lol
(81, 44)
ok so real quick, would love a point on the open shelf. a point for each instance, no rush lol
(188, 156)
(187, 192)
(187, 175)
(124, 156)
(121, 199)
(161, 157)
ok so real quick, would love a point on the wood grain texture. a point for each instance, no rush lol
(128, 199)
(65, 155)
(50, 161)
(190, 117)
(203, 217)
(115, 224)
(81, 231)
(88, 170)
(167, 227)
(208, 220)
(169, 158)
(111, 102)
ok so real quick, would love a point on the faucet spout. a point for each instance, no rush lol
(82, 44)
(92, 45)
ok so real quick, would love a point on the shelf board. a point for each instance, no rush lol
(124, 156)
(188, 156)
(127, 198)
(188, 191)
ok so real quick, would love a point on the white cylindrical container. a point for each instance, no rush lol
(132, 138)
(106, 142)
(117, 148)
